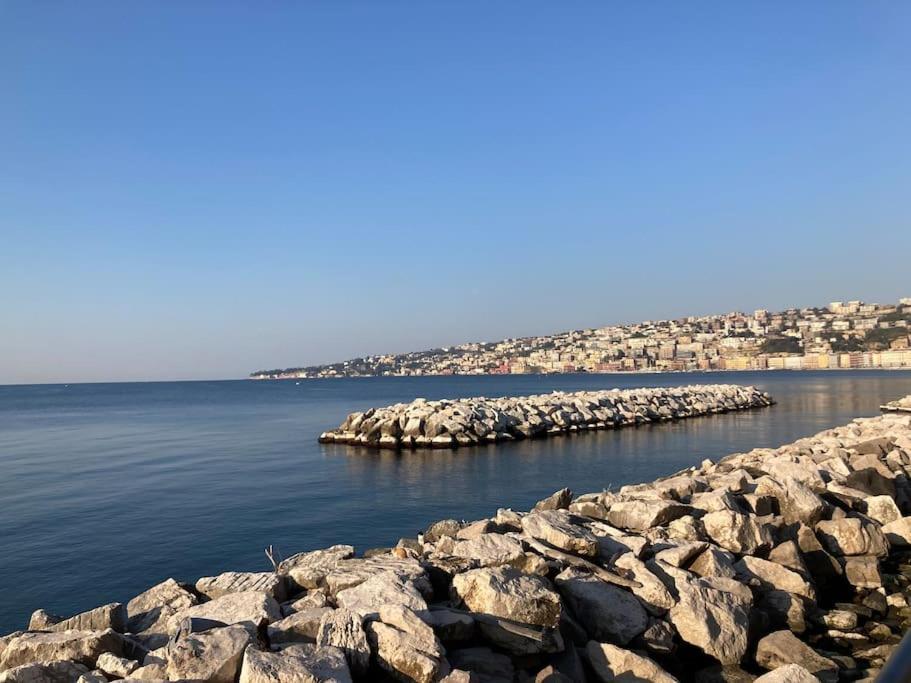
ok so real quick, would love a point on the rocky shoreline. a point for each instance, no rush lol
(777, 565)
(473, 421)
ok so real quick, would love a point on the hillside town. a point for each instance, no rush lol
(842, 335)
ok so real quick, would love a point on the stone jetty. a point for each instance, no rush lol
(789, 564)
(473, 421)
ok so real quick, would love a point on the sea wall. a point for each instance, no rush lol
(472, 421)
(778, 565)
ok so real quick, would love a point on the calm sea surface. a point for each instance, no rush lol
(106, 489)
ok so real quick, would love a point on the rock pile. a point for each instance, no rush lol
(902, 405)
(472, 421)
(788, 564)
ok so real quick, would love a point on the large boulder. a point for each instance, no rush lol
(611, 663)
(45, 672)
(384, 588)
(248, 608)
(797, 502)
(783, 647)
(852, 536)
(295, 664)
(238, 582)
(214, 656)
(111, 616)
(772, 576)
(83, 647)
(556, 527)
(654, 595)
(605, 611)
(150, 611)
(300, 627)
(898, 532)
(343, 629)
(506, 592)
(309, 569)
(642, 515)
(490, 550)
(404, 655)
(737, 532)
(711, 614)
(789, 673)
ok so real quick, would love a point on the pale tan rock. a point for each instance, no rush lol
(404, 655)
(236, 582)
(737, 532)
(606, 612)
(149, 612)
(789, 673)
(556, 527)
(300, 627)
(611, 663)
(651, 590)
(250, 608)
(214, 656)
(783, 647)
(851, 536)
(508, 593)
(641, 515)
(308, 570)
(116, 667)
(295, 664)
(773, 576)
(83, 647)
(490, 550)
(881, 509)
(44, 672)
(384, 588)
(343, 629)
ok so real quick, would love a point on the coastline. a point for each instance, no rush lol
(792, 558)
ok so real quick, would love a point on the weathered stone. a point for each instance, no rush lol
(237, 582)
(490, 550)
(788, 555)
(300, 627)
(772, 576)
(559, 500)
(556, 527)
(309, 569)
(116, 667)
(350, 573)
(862, 571)
(851, 536)
(783, 647)
(641, 515)
(445, 528)
(605, 611)
(295, 664)
(381, 589)
(508, 593)
(796, 501)
(45, 672)
(651, 590)
(249, 608)
(342, 628)
(42, 620)
(83, 647)
(713, 619)
(214, 656)
(789, 673)
(713, 562)
(404, 655)
(110, 616)
(898, 532)
(736, 532)
(881, 508)
(611, 663)
(150, 612)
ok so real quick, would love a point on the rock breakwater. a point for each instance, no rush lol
(790, 564)
(472, 421)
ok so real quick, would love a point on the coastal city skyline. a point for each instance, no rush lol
(850, 334)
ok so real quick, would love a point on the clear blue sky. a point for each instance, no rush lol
(203, 189)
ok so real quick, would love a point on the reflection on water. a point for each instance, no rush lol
(105, 489)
